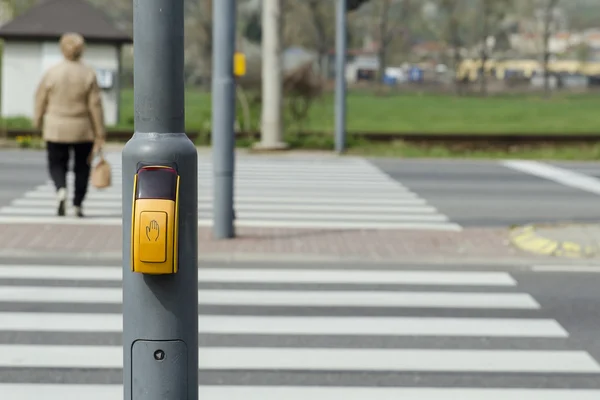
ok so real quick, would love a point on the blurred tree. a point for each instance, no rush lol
(391, 19)
(322, 18)
(311, 24)
(583, 52)
(493, 17)
(13, 8)
(449, 26)
(119, 11)
(198, 35)
(549, 7)
(353, 5)
(253, 28)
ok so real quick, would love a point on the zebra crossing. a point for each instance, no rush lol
(294, 333)
(291, 192)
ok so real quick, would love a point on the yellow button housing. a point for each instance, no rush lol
(154, 221)
(153, 236)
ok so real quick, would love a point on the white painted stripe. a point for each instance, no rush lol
(332, 207)
(406, 199)
(399, 360)
(24, 218)
(556, 174)
(458, 327)
(247, 275)
(245, 164)
(314, 178)
(282, 174)
(356, 276)
(275, 325)
(567, 268)
(221, 392)
(299, 181)
(246, 215)
(288, 169)
(380, 393)
(369, 299)
(306, 298)
(49, 212)
(294, 168)
(43, 356)
(28, 219)
(266, 194)
(60, 391)
(316, 191)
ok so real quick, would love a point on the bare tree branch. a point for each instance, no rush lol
(391, 22)
(549, 9)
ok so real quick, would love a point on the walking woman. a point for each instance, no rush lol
(68, 110)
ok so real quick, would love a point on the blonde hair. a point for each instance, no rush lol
(72, 45)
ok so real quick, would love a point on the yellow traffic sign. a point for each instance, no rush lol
(239, 64)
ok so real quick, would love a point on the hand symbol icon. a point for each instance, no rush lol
(153, 231)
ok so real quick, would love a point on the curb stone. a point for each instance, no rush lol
(527, 238)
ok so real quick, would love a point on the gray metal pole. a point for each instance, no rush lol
(340, 76)
(223, 118)
(272, 74)
(160, 312)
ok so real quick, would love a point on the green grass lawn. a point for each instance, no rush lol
(428, 113)
(414, 113)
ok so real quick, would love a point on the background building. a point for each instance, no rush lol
(31, 47)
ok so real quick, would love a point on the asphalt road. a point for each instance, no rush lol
(468, 193)
(430, 329)
(19, 172)
(487, 193)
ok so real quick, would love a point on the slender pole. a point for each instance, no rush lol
(271, 132)
(160, 312)
(340, 76)
(223, 118)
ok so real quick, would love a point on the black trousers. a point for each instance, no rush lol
(58, 164)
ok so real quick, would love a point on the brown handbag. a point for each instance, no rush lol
(101, 173)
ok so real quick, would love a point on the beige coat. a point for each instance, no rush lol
(68, 106)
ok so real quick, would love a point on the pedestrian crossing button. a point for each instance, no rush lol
(154, 224)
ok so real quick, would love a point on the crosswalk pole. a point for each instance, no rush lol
(223, 118)
(340, 76)
(160, 216)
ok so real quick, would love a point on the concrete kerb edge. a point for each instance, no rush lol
(528, 239)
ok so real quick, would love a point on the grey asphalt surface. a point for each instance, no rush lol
(570, 298)
(485, 193)
(471, 193)
(20, 171)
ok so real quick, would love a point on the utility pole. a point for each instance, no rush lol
(160, 217)
(340, 76)
(272, 78)
(223, 118)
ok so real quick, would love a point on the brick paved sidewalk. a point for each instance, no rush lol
(350, 244)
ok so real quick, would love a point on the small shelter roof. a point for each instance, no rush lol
(52, 18)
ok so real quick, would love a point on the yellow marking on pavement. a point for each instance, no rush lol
(527, 239)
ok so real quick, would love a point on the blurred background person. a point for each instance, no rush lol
(68, 110)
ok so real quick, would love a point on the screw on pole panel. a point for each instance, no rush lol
(160, 216)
